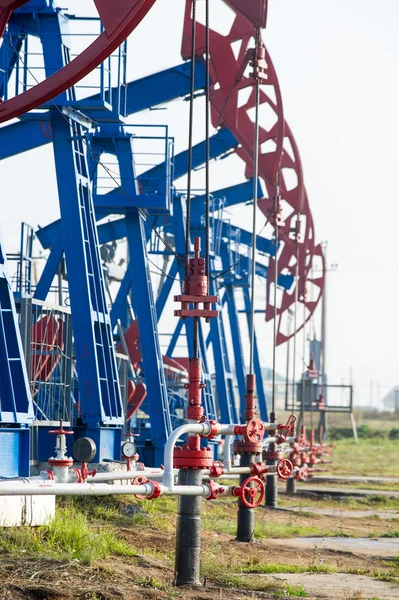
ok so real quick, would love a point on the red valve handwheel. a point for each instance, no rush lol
(252, 492)
(302, 474)
(60, 432)
(287, 428)
(139, 480)
(255, 430)
(119, 18)
(284, 468)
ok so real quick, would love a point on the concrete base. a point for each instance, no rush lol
(26, 510)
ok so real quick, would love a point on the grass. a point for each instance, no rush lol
(68, 536)
(354, 459)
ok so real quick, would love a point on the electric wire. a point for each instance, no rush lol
(191, 128)
(207, 143)
(276, 243)
(254, 215)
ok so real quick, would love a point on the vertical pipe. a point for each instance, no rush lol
(188, 527)
(271, 482)
(245, 515)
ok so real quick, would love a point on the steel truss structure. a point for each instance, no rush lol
(146, 208)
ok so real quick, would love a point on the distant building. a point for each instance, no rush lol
(391, 400)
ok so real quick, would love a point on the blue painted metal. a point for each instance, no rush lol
(34, 130)
(157, 397)
(16, 410)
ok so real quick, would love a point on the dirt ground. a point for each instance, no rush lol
(150, 577)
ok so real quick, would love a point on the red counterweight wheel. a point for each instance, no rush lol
(119, 18)
(139, 480)
(252, 492)
(284, 468)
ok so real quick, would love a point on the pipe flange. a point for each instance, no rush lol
(241, 446)
(156, 489)
(140, 480)
(58, 462)
(186, 458)
(272, 455)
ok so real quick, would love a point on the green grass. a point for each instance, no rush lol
(354, 459)
(68, 536)
(295, 590)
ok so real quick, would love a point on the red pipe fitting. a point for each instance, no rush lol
(156, 490)
(249, 412)
(258, 469)
(215, 490)
(85, 473)
(194, 410)
(216, 470)
(139, 480)
(215, 430)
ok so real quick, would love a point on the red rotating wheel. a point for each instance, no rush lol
(252, 492)
(255, 430)
(284, 468)
(119, 18)
(302, 474)
(139, 480)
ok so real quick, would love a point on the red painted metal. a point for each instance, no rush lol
(156, 491)
(284, 468)
(255, 11)
(188, 457)
(139, 480)
(278, 151)
(258, 469)
(136, 396)
(216, 470)
(285, 430)
(47, 335)
(119, 19)
(252, 492)
(196, 289)
(250, 397)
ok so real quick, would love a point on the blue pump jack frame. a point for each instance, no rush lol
(16, 410)
(76, 236)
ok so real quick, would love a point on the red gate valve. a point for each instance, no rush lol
(215, 489)
(258, 469)
(139, 480)
(284, 468)
(302, 473)
(216, 469)
(156, 490)
(251, 493)
(286, 429)
(254, 430)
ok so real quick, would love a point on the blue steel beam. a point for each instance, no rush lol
(15, 399)
(34, 131)
(221, 142)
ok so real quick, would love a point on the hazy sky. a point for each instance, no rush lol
(337, 65)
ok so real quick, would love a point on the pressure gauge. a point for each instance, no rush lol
(129, 449)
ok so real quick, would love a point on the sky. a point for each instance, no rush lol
(337, 64)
